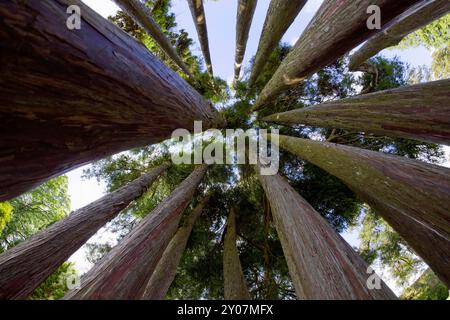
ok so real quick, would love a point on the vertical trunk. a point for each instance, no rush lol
(410, 195)
(280, 16)
(125, 271)
(416, 17)
(142, 16)
(69, 97)
(338, 27)
(166, 269)
(24, 267)
(321, 264)
(234, 281)
(198, 14)
(246, 9)
(420, 112)
(269, 282)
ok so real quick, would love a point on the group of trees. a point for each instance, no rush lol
(26, 215)
(237, 217)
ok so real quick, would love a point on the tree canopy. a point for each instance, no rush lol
(235, 188)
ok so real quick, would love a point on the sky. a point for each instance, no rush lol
(221, 21)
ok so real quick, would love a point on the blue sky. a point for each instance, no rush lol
(221, 21)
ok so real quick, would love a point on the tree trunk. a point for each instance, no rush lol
(420, 112)
(338, 27)
(124, 272)
(69, 97)
(246, 9)
(24, 267)
(143, 17)
(166, 269)
(234, 281)
(415, 18)
(280, 16)
(410, 195)
(198, 14)
(322, 265)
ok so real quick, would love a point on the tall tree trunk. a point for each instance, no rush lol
(24, 267)
(410, 195)
(245, 12)
(280, 16)
(420, 112)
(198, 14)
(338, 27)
(143, 17)
(124, 272)
(322, 265)
(166, 269)
(416, 17)
(234, 281)
(69, 97)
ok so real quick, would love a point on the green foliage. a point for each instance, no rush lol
(31, 213)
(55, 286)
(433, 36)
(391, 74)
(35, 210)
(213, 89)
(427, 287)
(440, 67)
(379, 242)
(6, 210)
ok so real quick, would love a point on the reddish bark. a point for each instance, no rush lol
(124, 272)
(24, 267)
(322, 265)
(338, 27)
(69, 97)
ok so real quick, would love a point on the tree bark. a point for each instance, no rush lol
(420, 112)
(338, 27)
(234, 281)
(124, 272)
(70, 97)
(245, 12)
(198, 14)
(415, 18)
(280, 16)
(412, 196)
(142, 16)
(322, 265)
(166, 269)
(24, 267)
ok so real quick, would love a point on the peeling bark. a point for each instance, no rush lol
(70, 97)
(245, 12)
(124, 272)
(198, 14)
(338, 27)
(420, 112)
(234, 281)
(280, 16)
(412, 196)
(24, 267)
(322, 265)
(415, 18)
(142, 16)
(166, 269)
